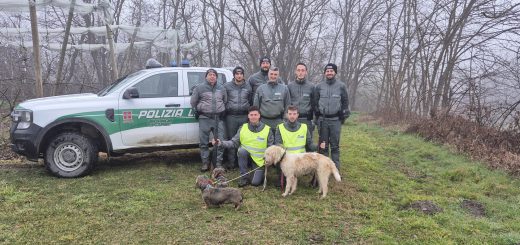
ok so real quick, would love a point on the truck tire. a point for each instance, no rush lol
(70, 155)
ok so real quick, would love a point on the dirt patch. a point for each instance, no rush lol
(424, 206)
(181, 155)
(168, 157)
(5, 142)
(475, 208)
(6, 153)
(316, 238)
(20, 165)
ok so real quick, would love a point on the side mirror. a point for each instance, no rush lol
(131, 93)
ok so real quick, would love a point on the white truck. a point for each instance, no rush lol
(144, 111)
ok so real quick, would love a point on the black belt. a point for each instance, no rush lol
(212, 115)
(331, 116)
(237, 113)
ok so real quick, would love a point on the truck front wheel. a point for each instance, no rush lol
(70, 155)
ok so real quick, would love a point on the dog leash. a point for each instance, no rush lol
(265, 178)
(265, 175)
(281, 175)
(227, 182)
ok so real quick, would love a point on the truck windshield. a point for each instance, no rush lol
(120, 81)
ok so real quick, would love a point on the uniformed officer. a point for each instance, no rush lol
(292, 134)
(272, 98)
(251, 140)
(302, 96)
(260, 77)
(208, 102)
(332, 110)
(239, 95)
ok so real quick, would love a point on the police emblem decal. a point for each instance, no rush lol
(127, 116)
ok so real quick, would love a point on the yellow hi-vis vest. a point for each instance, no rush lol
(255, 143)
(294, 142)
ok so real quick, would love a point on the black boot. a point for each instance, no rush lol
(229, 166)
(281, 181)
(205, 167)
(314, 181)
(243, 182)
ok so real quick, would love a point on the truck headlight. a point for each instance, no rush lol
(23, 118)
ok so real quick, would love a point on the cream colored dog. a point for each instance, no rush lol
(295, 165)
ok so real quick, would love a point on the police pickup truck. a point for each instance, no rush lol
(147, 110)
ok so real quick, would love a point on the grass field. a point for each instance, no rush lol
(152, 199)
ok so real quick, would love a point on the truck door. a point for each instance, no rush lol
(156, 117)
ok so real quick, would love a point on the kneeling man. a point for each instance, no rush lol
(294, 135)
(251, 140)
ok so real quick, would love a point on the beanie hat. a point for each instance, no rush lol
(331, 66)
(211, 70)
(238, 69)
(265, 59)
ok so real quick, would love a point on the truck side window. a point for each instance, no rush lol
(195, 78)
(159, 85)
(170, 83)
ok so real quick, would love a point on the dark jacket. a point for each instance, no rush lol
(302, 96)
(272, 99)
(239, 98)
(257, 79)
(331, 99)
(235, 141)
(208, 100)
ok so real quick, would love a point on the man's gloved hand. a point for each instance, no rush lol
(196, 115)
(341, 116)
(347, 114)
(317, 114)
(222, 115)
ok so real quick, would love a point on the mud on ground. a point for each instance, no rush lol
(473, 207)
(426, 207)
(6, 154)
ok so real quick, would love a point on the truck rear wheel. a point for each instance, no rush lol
(70, 155)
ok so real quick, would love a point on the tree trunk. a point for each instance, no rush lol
(36, 49)
(57, 89)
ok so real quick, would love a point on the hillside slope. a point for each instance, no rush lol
(396, 189)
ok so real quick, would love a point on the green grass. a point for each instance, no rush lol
(155, 201)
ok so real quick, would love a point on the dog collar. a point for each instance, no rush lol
(281, 158)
